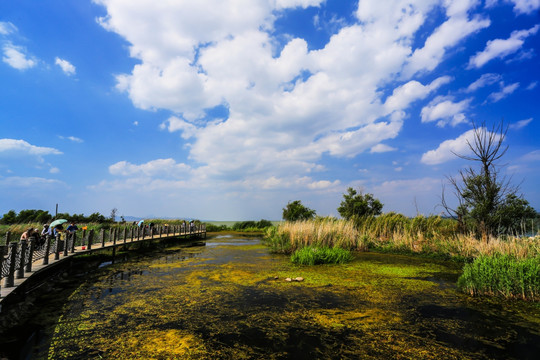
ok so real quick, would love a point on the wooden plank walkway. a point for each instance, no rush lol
(38, 266)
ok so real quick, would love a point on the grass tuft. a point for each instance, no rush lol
(310, 255)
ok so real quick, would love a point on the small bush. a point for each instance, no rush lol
(321, 255)
(502, 275)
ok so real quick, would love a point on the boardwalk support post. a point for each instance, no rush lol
(47, 249)
(22, 262)
(30, 255)
(10, 278)
(57, 248)
(90, 239)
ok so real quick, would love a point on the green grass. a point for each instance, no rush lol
(502, 275)
(310, 255)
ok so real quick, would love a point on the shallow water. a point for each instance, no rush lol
(228, 299)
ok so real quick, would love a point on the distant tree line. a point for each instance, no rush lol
(41, 216)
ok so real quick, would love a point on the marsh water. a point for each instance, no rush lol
(227, 298)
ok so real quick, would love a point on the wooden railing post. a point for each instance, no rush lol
(12, 254)
(66, 242)
(8, 238)
(114, 236)
(84, 237)
(22, 263)
(160, 230)
(102, 237)
(90, 239)
(2, 249)
(125, 234)
(30, 255)
(57, 248)
(47, 249)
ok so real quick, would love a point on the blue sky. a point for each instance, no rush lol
(228, 109)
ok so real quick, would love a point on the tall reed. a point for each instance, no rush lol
(502, 275)
(322, 232)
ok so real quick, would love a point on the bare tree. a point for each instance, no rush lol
(481, 192)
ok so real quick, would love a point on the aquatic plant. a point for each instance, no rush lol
(311, 255)
(502, 275)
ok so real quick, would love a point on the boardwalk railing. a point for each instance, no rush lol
(17, 258)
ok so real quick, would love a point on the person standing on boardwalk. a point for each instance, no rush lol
(72, 228)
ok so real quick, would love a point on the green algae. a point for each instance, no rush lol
(229, 300)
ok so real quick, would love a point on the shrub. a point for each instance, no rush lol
(310, 255)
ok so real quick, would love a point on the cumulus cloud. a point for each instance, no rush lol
(16, 57)
(445, 111)
(288, 105)
(500, 48)
(13, 147)
(448, 149)
(65, 65)
(413, 90)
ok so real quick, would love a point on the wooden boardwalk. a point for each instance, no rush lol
(19, 262)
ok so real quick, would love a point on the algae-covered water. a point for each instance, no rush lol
(228, 299)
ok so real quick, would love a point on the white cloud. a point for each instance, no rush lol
(72, 138)
(7, 28)
(446, 36)
(532, 85)
(525, 6)
(500, 48)
(521, 124)
(65, 65)
(288, 106)
(520, 6)
(484, 80)
(411, 91)
(34, 183)
(283, 4)
(532, 156)
(15, 57)
(445, 111)
(159, 167)
(448, 149)
(13, 147)
(381, 148)
(504, 92)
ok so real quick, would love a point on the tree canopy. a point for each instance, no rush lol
(358, 204)
(295, 211)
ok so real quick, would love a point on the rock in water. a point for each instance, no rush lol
(299, 279)
(288, 279)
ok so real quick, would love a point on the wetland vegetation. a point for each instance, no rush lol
(227, 298)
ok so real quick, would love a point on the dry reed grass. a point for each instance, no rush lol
(396, 232)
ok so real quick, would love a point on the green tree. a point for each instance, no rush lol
(9, 218)
(488, 203)
(357, 204)
(295, 211)
(513, 215)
